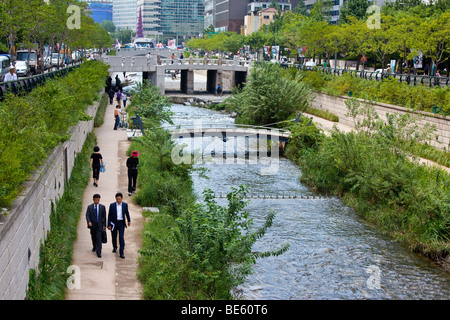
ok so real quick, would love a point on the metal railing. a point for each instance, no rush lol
(412, 79)
(27, 84)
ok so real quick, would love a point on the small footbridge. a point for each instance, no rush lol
(226, 130)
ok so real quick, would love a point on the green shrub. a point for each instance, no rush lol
(35, 123)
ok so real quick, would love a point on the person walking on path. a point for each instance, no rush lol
(96, 222)
(219, 90)
(119, 97)
(116, 117)
(117, 216)
(132, 165)
(111, 94)
(96, 164)
(124, 99)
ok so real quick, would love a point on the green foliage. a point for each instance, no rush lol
(204, 253)
(150, 104)
(374, 175)
(56, 253)
(190, 250)
(419, 97)
(35, 123)
(268, 96)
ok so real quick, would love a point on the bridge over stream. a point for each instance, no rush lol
(154, 67)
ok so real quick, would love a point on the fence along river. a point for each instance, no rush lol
(333, 254)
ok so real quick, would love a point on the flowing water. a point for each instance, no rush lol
(333, 254)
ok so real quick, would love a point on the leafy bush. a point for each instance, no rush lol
(390, 90)
(35, 123)
(269, 97)
(379, 179)
(203, 254)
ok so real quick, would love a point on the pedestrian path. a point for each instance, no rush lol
(327, 125)
(108, 277)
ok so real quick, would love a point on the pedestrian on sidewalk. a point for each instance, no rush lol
(95, 164)
(219, 90)
(111, 94)
(119, 97)
(117, 216)
(116, 117)
(124, 99)
(96, 222)
(132, 165)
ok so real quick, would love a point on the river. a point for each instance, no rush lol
(333, 254)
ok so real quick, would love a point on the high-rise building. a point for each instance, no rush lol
(150, 16)
(180, 19)
(210, 13)
(125, 14)
(101, 10)
(229, 14)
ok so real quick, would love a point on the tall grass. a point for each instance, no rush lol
(367, 168)
(49, 282)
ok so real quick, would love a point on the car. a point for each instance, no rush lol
(47, 63)
(22, 55)
(55, 60)
(310, 64)
(21, 68)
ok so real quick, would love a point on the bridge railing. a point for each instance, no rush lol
(224, 126)
(153, 60)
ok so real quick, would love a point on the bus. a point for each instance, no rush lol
(144, 43)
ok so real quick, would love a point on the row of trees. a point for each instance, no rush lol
(404, 31)
(33, 24)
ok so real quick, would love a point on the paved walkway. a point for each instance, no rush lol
(109, 277)
(328, 125)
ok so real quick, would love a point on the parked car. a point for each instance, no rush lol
(55, 60)
(310, 64)
(22, 55)
(21, 68)
(5, 63)
(47, 63)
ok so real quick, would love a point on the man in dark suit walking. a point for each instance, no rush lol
(118, 212)
(96, 221)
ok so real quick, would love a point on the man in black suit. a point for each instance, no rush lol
(96, 221)
(118, 212)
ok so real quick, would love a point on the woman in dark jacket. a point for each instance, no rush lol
(96, 163)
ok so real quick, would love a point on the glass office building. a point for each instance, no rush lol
(180, 19)
(125, 14)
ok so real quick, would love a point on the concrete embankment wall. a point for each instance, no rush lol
(25, 227)
(337, 106)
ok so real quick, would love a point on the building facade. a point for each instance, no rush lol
(229, 14)
(125, 14)
(101, 10)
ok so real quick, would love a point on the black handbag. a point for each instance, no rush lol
(104, 237)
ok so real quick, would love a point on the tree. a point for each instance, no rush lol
(108, 26)
(354, 8)
(301, 8)
(380, 41)
(433, 38)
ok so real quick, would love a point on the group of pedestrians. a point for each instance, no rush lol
(118, 217)
(118, 220)
(118, 214)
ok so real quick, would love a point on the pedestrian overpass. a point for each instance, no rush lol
(154, 68)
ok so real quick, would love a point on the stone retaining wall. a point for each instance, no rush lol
(25, 227)
(337, 106)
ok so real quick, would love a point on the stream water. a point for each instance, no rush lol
(333, 254)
